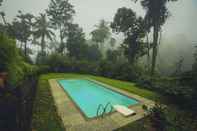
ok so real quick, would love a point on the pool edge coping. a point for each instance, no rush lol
(105, 86)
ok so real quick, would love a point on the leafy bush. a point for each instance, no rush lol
(12, 62)
(105, 68)
(59, 63)
(118, 70)
(164, 118)
(157, 117)
(122, 71)
(85, 67)
(8, 52)
(56, 62)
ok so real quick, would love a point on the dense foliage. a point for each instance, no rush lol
(76, 42)
(12, 62)
(101, 33)
(133, 28)
(61, 13)
(42, 30)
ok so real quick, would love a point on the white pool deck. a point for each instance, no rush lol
(73, 120)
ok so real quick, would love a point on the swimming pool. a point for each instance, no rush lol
(88, 95)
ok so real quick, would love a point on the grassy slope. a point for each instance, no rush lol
(44, 114)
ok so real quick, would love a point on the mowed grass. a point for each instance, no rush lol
(45, 117)
(128, 86)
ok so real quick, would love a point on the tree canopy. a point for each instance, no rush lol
(22, 28)
(101, 33)
(1, 2)
(132, 27)
(76, 42)
(60, 14)
(42, 29)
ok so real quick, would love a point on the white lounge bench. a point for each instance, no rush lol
(123, 110)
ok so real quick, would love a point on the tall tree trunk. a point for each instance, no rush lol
(21, 45)
(4, 21)
(43, 44)
(61, 45)
(133, 50)
(61, 48)
(25, 48)
(155, 44)
(148, 52)
(101, 48)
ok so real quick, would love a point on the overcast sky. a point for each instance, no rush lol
(88, 13)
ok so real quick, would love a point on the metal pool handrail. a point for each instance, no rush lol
(108, 104)
(100, 107)
(104, 109)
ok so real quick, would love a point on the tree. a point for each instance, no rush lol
(23, 28)
(3, 17)
(112, 42)
(2, 13)
(132, 27)
(112, 55)
(76, 42)
(156, 15)
(101, 33)
(3, 26)
(178, 66)
(1, 2)
(7, 53)
(42, 30)
(93, 53)
(157, 117)
(60, 13)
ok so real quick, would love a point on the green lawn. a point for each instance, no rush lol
(44, 112)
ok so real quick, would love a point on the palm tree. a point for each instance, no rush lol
(156, 15)
(25, 22)
(42, 30)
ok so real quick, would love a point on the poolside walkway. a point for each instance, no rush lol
(73, 120)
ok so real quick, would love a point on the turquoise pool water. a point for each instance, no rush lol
(87, 95)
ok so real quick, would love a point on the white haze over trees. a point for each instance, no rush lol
(179, 34)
